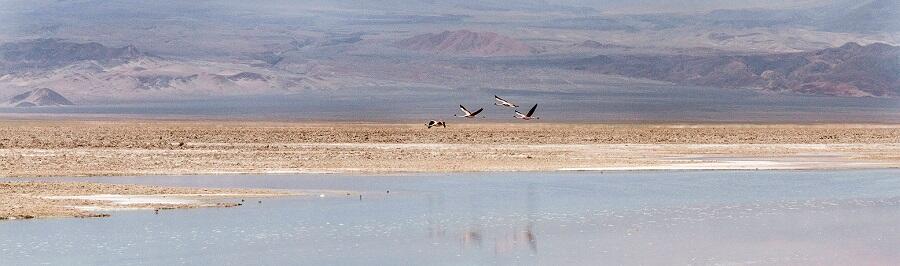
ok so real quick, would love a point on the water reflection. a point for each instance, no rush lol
(471, 235)
(531, 209)
(436, 229)
(471, 238)
(644, 218)
(515, 241)
(518, 238)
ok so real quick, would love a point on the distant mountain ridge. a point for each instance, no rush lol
(850, 70)
(93, 71)
(465, 42)
(45, 53)
(38, 97)
(87, 72)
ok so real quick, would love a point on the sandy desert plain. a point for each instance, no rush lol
(130, 147)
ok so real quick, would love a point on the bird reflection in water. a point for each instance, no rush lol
(471, 238)
(522, 238)
(525, 237)
(518, 240)
(528, 235)
(530, 208)
(436, 230)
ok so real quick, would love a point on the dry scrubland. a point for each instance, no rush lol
(30, 148)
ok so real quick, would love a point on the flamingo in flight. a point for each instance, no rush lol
(434, 123)
(468, 114)
(502, 102)
(527, 116)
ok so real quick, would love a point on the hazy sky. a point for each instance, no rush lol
(611, 6)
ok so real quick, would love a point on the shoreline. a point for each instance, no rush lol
(359, 172)
(60, 197)
(50, 199)
(89, 179)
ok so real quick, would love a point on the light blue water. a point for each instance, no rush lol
(657, 217)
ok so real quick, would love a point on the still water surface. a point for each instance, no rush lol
(558, 218)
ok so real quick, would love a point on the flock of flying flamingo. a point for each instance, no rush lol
(498, 102)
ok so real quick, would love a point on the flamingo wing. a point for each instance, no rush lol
(520, 114)
(466, 111)
(476, 112)
(531, 112)
(501, 100)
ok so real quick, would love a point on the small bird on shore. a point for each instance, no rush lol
(527, 116)
(437, 123)
(468, 114)
(502, 102)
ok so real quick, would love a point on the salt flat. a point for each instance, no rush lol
(34, 148)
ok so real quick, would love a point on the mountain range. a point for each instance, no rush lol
(850, 70)
(117, 50)
(92, 72)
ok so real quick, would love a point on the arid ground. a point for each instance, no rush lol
(34, 148)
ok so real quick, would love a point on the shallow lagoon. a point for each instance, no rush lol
(652, 217)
